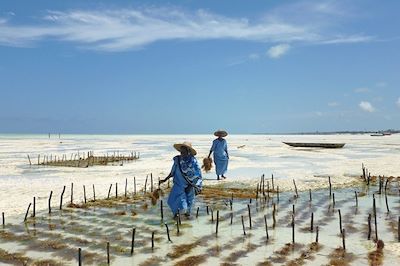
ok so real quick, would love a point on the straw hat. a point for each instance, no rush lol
(220, 133)
(186, 144)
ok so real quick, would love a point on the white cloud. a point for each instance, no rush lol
(278, 50)
(366, 106)
(123, 29)
(381, 84)
(398, 102)
(362, 90)
(333, 104)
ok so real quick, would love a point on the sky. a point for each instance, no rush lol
(191, 67)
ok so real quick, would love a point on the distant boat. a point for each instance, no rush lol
(315, 145)
(377, 135)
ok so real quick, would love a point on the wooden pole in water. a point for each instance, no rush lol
(344, 238)
(34, 207)
(152, 240)
(177, 225)
(79, 256)
(216, 227)
(134, 185)
(51, 194)
(109, 191)
(27, 211)
(151, 180)
(355, 193)
(369, 226)
(212, 215)
(108, 253)
(169, 239)
(231, 218)
(38, 159)
(145, 185)
(387, 204)
(72, 192)
(263, 184)
(30, 163)
(273, 216)
(266, 226)
(317, 234)
(398, 228)
(273, 186)
(248, 208)
(295, 189)
(197, 212)
(244, 230)
(334, 202)
(84, 193)
(133, 240)
(293, 228)
(161, 210)
(4, 220)
(126, 187)
(94, 194)
(257, 192)
(309, 191)
(375, 220)
(61, 198)
(330, 186)
(116, 190)
(340, 221)
(312, 222)
(207, 210)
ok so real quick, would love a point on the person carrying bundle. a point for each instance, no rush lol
(221, 156)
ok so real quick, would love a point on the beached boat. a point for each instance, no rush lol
(377, 135)
(315, 145)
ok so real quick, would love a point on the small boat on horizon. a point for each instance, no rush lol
(315, 145)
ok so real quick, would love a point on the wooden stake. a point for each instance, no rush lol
(398, 228)
(212, 215)
(340, 221)
(51, 194)
(116, 190)
(334, 202)
(27, 211)
(277, 193)
(152, 240)
(317, 234)
(79, 257)
(344, 238)
(94, 194)
(244, 230)
(375, 220)
(248, 208)
(266, 226)
(126, 187)
(312, 222)
(134, 185)
(151, 180)
(109, 191)
(34, 207)
(133, 240)
(295, 189)
(387, 204)
(169, 239)
(231, 218)
(309, 191)
(207, 210)
(197, 212)
(330, 186)
(108, 253)
(355, 193)
(216, 227)
(61, 198)
(272, 178)
(4, 220)
(369, 226)
(161, 210)
(72, 192)
(84, 193)
(30, 163)
(145, 185)
(273, 216)
(293, 228)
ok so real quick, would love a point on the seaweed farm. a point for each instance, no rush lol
(257, 226)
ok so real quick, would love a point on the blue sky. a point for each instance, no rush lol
(195, 66)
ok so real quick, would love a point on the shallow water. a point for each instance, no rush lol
(261, 154)
(91, 228)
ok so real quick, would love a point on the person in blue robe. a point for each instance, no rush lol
(187, 180)
(221, 156)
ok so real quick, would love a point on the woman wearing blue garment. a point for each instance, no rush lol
(221, 156)
(187, 179)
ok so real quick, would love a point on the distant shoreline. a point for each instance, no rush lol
(391, 131)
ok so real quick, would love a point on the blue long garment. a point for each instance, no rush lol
(220, 149)
(182, 194)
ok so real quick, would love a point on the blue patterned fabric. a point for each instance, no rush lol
(220, 150)
(182, 193)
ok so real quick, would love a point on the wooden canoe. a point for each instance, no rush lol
(315, 145)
